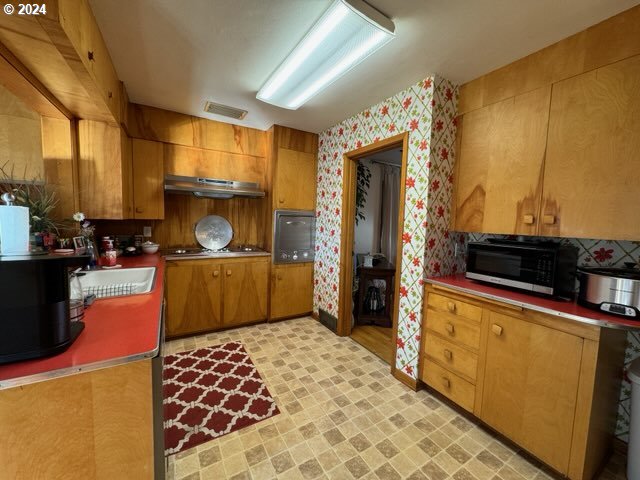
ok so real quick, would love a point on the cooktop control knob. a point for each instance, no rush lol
(305, 254)
(295, 255)
(284, 256)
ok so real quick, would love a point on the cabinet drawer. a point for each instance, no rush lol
(457, 330)
(453, 357)
(455, 307)
(449, 384)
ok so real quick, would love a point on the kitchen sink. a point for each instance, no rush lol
(116, 283)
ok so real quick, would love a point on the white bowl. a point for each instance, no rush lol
(150, 247)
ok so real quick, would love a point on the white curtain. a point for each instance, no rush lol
(389, 212)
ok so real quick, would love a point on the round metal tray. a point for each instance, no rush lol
(213, 232)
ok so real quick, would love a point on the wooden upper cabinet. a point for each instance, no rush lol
(246, 287)
(592, 168)
(500, 165)
(104, 171)
(531, 385)
(286, 279)
(295, 180)
(148, 179)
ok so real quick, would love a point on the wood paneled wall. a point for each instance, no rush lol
(20, 138)
(607, 42)
(196, 146)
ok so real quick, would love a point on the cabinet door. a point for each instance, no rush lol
(530, 386)
(104, 171)
(295, 180)
(148, 179)
(194, 297)
(246, 286)
(291, 290)
(500, 165)
(592, 167)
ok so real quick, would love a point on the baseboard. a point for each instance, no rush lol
(315, 315)
(290, 317)
(412, 383)
(620, 446)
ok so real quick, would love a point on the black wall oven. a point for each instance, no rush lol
(547, 268)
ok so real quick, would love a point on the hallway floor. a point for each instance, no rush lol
(375, 339)
(344, 416)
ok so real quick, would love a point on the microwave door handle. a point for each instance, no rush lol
(295, 222)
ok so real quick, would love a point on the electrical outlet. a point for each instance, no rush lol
(146, 231)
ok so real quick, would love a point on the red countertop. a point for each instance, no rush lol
(117, 330)
(565, 309)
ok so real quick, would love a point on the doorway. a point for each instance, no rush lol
(372, 222)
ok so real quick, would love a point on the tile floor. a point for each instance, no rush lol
(344, 416)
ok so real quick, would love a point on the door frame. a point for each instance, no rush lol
(349, 175)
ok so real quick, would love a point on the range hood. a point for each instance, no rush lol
(201, 187)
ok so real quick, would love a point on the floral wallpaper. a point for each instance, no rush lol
(594, 253)
(427, 111)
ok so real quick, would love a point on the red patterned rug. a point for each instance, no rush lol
(210, 392)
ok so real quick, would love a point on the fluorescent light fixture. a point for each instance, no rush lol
(347, 33)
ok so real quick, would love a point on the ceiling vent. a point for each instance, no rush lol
(224, 110)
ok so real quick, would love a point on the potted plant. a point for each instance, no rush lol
(36, 196)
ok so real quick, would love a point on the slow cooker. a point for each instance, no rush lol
(611, 290)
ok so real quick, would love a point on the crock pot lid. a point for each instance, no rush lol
(634, 371)
(630, 273)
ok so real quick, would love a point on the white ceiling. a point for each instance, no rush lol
(178, 54)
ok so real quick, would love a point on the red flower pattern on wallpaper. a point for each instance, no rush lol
(603, 254)
(423, 110)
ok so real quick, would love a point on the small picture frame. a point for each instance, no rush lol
(79, 245)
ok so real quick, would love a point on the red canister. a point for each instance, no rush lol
(110, 254)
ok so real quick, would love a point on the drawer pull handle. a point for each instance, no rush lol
(228, 273)
(216, 273)
(281, 200)
(549, 219)
(528, 219)
(446, 382)
(448, 354)
(450, 328)
(497, 329)
(279, 276)
(451, 307)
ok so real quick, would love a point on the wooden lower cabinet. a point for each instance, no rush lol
(291, 290)
(96, 424)
(550, 385)
(205, 295)
(530, 386)
(246, 288)
(194, 297)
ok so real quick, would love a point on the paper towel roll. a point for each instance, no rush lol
(14, 230)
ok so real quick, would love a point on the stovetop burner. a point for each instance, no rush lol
(203, 252)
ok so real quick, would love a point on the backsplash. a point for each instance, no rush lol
(594, 253)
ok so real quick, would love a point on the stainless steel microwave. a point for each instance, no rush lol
(294, 236)
(542, 267)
